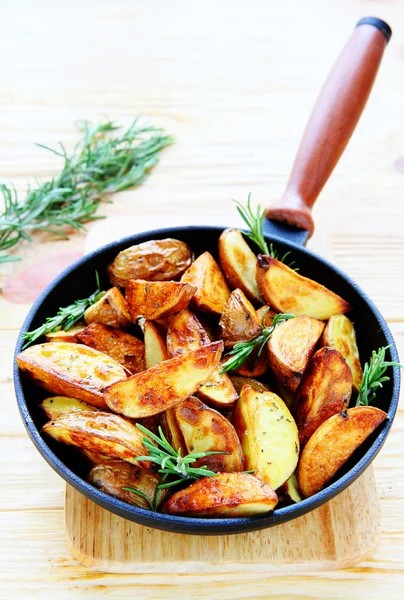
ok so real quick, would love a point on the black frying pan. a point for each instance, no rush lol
(330, 127)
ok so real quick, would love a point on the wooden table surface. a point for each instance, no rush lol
(234, 81)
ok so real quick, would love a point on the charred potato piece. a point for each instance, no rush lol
(65, 336)
(113, 476)
(164, 385)
(172, 431)
(290, 348)
(333, 443)
(155, 347)
(339, 333)
(111, 309)
(325, 391)
(239, 321)
(223, 495)
(57, 406)
(206, 430)
(71, 370)
(212, 290)
(288, 292)
(239, 264)
(185, 333)
(268, 436)
(126, 349)
(155, 260)
(156, 299)
(238, 381)
(99, 432)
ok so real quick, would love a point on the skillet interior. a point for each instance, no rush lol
(78, 282)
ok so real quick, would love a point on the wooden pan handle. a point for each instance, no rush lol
(332, 122)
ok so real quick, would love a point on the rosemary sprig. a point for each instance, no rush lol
(66, 317)
(101, 163)
(374, 377)
(241, 351)
(256, 235)
(141, 494)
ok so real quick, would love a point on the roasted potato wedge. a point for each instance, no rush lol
(212, 290)
(288, 292)
(239, 264)
(239, 321)
(333, 443)
(325, 391)
(339, 333)
(206, 430)
(65, 336)
(111, 309)
(172, 431)
(57, 406)
(268, 312)
(253, 367)
(99, 432)
(115, 475)
(268, 436)
(223, 495)
(185, 333)
(218, 391)
(95, 458)
(238, 381)
(290, 348)
(164, 385)
(291, 489)
(155, 260)
(155, 347)
(126, 349)
(71, 370)
(155, 299)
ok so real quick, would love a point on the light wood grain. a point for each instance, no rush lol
(234, 81)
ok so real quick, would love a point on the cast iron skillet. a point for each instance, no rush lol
(332, 122)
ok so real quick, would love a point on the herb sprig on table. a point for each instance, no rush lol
(104, 161)
(374, 376)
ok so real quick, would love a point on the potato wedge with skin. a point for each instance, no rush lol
(95, 458)
(155, 260)
(71, 370)
(164, 385)
(123, 347)
(99, 432)
(288, 292)
(172, 431)
(212, 290)
(155, 299)
(185, 333)
(290, 348)
(111, 309)
(325, 391)
(65, 336)
(239, 321)
(339, 333)
(239, 264)
(155, 346)
(268, 436)
(57, 406)
(206, 430)
(332, 444)
(223, 495)
(238, 381)
(218, 391)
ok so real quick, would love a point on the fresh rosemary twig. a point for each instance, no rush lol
(256, 235)
(241, 351)
(102, 162)
(66, 317)
(374, 377)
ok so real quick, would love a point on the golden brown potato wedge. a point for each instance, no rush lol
(239, 263)
(115, 475)
(290, 348)
(268, 312)
(288, 292)
(155, 299)
(333, 443)
(339, 333)
(223, 495)
(111, 309)
(212, 290)
(155, 260)
(172, 431)
(164, 385)
(65, 336)
(206, 430)
(268, 436)
(95, 458)
(71, 370)
(325, 391)
(99, 432)
(57, 406)
(155, 347)
(218, 391)
(239, 321)
(238, 381)
(123, 347)
(185, 333)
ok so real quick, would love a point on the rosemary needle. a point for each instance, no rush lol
(374, 376)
